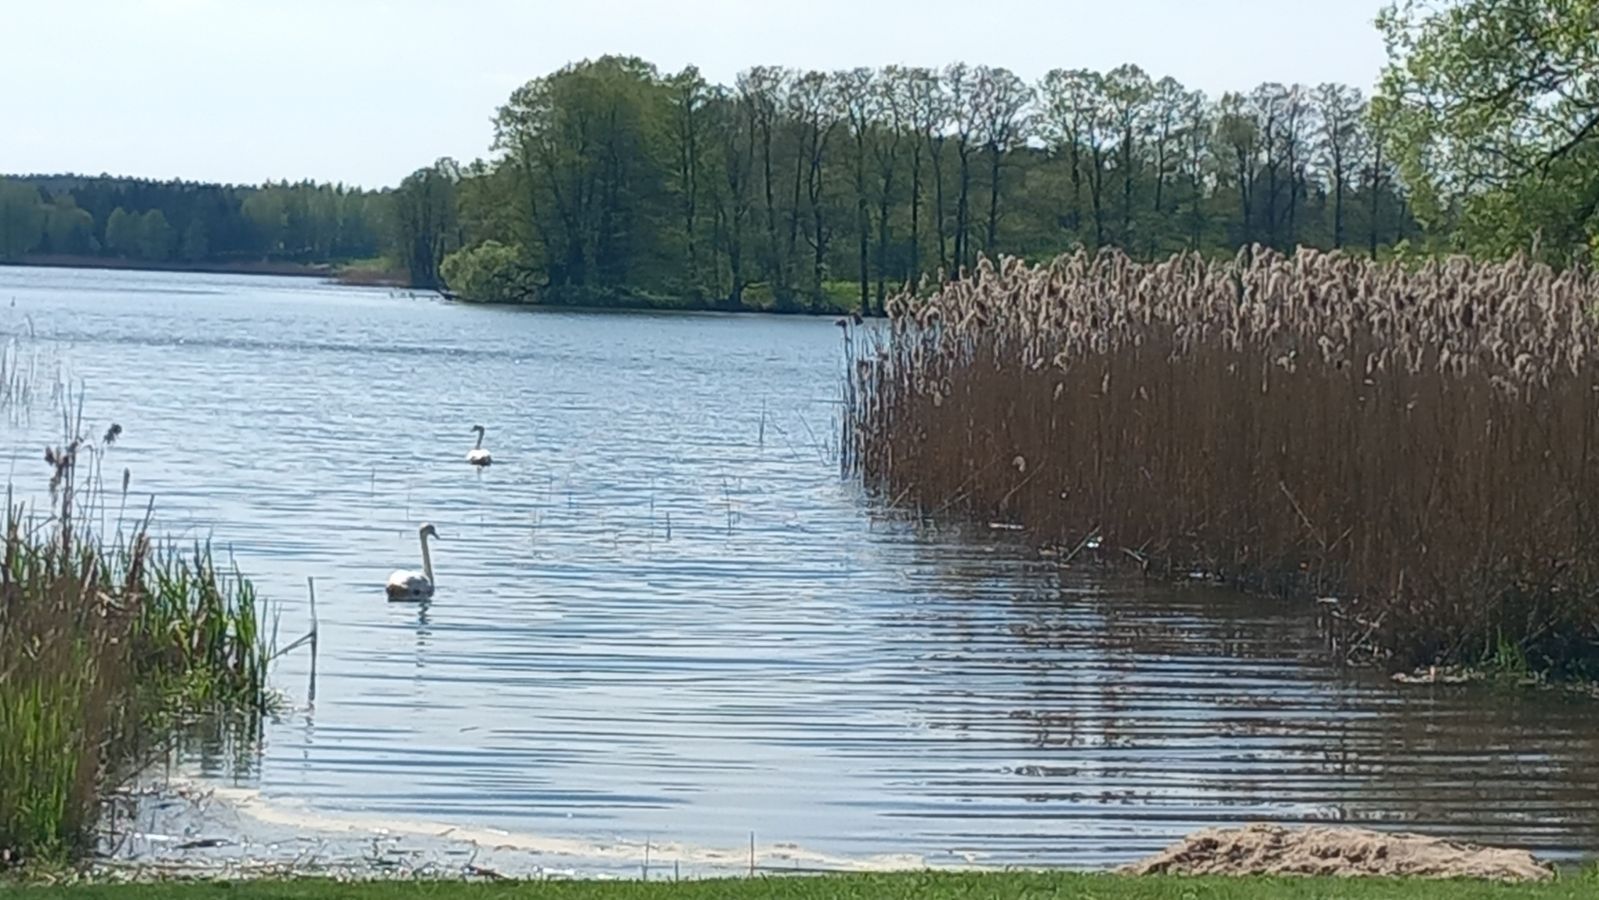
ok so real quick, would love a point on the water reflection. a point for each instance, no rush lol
(661, 614)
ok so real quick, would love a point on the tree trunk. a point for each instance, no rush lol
(863, 222)
(993, 201)
(1376, 196)
(963, 209)
(939, 208)
(916, 210)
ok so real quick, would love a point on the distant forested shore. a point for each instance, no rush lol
(613, 183)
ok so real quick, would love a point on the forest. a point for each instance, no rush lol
(158, 222)
(611, 182)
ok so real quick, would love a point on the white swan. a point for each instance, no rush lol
(415, 586)
(477, 456)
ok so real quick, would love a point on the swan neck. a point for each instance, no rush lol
(479, 440)
(427, 560)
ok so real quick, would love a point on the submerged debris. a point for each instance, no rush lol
(1339, 852)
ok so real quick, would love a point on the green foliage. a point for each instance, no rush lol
(21, 218)
(490, 272)
(122, 233)
(196, 241)
(588, 161)
(616, 178)
(155, 236)
(426, 221)
(1491, 109)
(69, 229)
(303, 222)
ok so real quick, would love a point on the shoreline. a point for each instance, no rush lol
(264, 267)
(370, 278)
(170, 828)
(327, 271)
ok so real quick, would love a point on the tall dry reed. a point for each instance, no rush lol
(1419, 444)
(106, 640)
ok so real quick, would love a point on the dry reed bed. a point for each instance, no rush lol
(1417, 443)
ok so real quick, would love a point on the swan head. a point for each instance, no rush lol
(428, 531)
(480, 430)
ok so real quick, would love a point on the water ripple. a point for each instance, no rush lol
(661, 613)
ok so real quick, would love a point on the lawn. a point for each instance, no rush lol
(921, 886)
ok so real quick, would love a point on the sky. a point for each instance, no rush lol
(364, 92)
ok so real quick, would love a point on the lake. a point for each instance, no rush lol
(663, 615)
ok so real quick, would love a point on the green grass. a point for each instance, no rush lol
(836, 298)
(108, 642)
(920, 886)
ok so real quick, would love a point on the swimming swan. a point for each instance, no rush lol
(477, 456)
(415, 586)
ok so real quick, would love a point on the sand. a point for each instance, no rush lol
(1330, 851)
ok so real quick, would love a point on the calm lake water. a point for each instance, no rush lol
(663, 615)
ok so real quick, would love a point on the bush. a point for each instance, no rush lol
(490, 272)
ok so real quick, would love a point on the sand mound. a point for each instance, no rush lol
(1275, 850)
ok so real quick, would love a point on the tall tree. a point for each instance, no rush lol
(856, 91)
(761, 89)
(1166, 133)
(122, 232)
(1238, 135)
(155, 236)
(890, 116)
(815, 108)
(425, 220)
(1127, 95)
(1001, 102)
(1069, 101)
(966, 117)
(1199, 134)
(926, 114)
(1342, 110)
(1491, 110)
(690, 95)
(70, 230)
(22, 219)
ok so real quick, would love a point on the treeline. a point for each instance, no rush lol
(612, 182)
(801, 189)
(178, 221)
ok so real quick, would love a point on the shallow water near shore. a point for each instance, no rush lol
(663, 616)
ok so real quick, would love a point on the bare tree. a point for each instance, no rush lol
(1127, 93)
(1001, 102)
(856, 89)
(1238, 137)
(1069, 101)
(813, 103)
(1343, 110)
(960, 82)
(890, 113)
(1266, 104)
(1199, 132)
(1297, 118)
(761, 88)
(1166, 126)
(735, 121)
(923, 98)
(689, 98)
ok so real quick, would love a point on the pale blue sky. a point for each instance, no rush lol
(365, 91)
